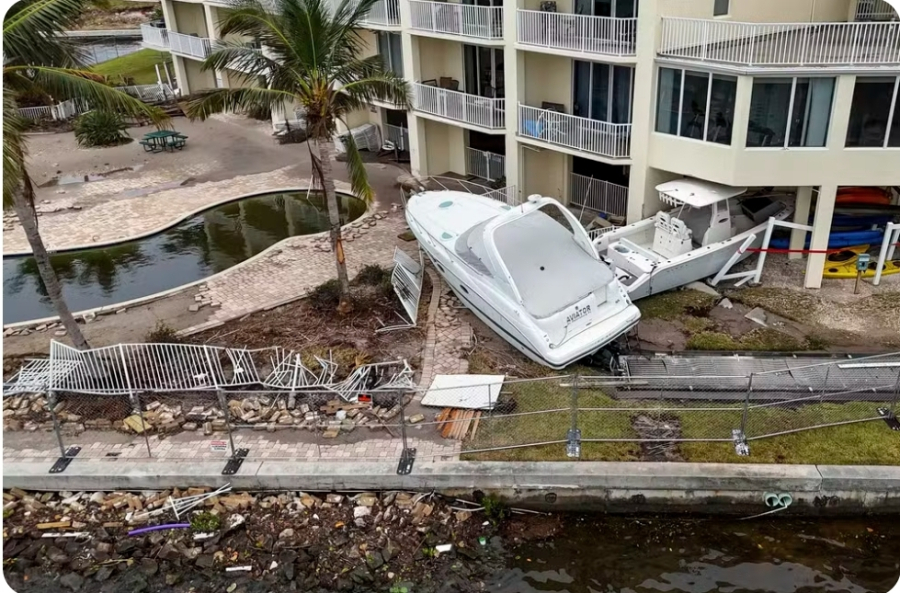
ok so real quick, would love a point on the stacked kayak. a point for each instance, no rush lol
(842, 264)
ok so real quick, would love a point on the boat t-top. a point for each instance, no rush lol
(693, 241)
(529, 272)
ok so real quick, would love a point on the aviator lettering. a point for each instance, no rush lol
(578, 314)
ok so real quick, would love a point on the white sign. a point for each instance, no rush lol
(215, 446)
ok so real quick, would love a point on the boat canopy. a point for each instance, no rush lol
(550, 270)
(696, 193)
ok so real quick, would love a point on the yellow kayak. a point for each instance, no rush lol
(848, 255)
(848, 270)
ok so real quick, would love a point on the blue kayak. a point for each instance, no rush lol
(835, 240)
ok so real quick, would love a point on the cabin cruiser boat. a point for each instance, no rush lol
(709, 224)
(529, 272)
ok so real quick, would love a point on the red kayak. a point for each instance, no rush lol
(862, 195)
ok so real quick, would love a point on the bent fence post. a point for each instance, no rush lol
(135, 399)
(51, 403)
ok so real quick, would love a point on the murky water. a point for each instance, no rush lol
(637, 555)
(210, 242)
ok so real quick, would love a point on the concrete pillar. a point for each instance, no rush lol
(412, 68)
(741, 120)
(181, 77)
(211, 14)
(815, 264)
(641, 192)
(801, 216)
(514, 91)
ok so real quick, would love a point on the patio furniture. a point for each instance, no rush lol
(161, 140)
(449, 83)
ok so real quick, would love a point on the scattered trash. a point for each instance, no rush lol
(55, 525)
(482, 540)
(237, 569)
(72, 534)
(726, 304)
(202, 536)
(159, 528)
(444, 548)
(273, 566)
(486, 523)
(758, 315)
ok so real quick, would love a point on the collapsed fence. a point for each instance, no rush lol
(226, 403)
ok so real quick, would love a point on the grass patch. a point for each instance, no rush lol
(794, 305)
(138, 65)
(762, 339)
(674, 304)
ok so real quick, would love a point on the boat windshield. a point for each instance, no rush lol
(470, 247)
(550, 270)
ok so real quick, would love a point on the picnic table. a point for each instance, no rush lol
(161, 140)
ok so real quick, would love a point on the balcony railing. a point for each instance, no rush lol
(385, 13)
(398, 136)
(484, 164)
(188, 45)
(575, 32)
(155, 36)
(598, 195)
(781, 45)
(578, 133)
(875, 10)
(467, 20)
(482, 112)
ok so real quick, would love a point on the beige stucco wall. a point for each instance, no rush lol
(234, 79)
(369, 43)
(446, 148)
(438, 57)
(190, 19)
(198, 79)
(545, 173)
(547, 78)
(761, 11)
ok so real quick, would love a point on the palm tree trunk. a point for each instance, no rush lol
(23, 204)
(326, 150)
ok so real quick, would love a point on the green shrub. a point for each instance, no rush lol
(326, 296)
(101, 128)
(373, 275)
(205, 522)
(162, 333)
(495, 509)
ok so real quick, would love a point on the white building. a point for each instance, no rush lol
(598, 101)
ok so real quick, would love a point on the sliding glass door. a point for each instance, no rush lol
(603, 92)
(621, 9)
(484, 71)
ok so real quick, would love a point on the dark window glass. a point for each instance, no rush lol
(894, 140)
(600, 93)
(721, 109)
(693, 105)
(769, 106)
(720, 7)
(812, 112)
(668, 96)
(869, 111)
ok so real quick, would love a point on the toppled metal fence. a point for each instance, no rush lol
(233, 404)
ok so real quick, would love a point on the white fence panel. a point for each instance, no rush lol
(398, 135)
(575, 32)
(485, 164)
(37, 113)
(598, 195)
(484, 22)
(478, 111)
(154, 36)
(578, 133)
(189, 45)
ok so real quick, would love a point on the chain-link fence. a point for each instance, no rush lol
(569, 416)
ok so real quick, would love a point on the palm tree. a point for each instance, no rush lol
(311, 59)
(37, 60)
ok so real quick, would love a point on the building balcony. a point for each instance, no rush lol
(479, 113)
(384, 14)
(154, 37)
(575, 134)
(598, 195)
(484, 164)
(471, 22)
(189, 46)
(579, 34)
(765, 46)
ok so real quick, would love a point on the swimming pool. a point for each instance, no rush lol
(198, 247)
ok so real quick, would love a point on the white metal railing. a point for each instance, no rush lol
(467, 20)
(149, 92)
(478, 111)
(579, 133)
(385, 13)
(508, 195)
(485, 164)
(875, 10)
(581, 33)
(598, 195)
(189, 45)
(596, 233)
(60, 111)
(37, 113)
(154, 36)
(397, 135)
(782, 44)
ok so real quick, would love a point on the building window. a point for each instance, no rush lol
(720, 7)
(484, 71)
(603, 92)
(875, 113)
(790, 112)
(390, 48)
(696, 105)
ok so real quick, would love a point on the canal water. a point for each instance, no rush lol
(698, 555)
(203, 245)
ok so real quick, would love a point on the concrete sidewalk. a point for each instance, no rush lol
(572, 486)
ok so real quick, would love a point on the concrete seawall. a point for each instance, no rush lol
(577, 486)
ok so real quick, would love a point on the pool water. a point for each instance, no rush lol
(205, 244)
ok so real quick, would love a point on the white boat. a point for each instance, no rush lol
(529, 272)
(709, 224)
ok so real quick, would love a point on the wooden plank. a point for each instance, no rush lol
(448, 427)
(54, 525)
(475, 426)
(469, 415)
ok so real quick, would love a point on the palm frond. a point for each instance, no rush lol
(31, 32)
(68, 83)
(243, 59)
(356, 169)
(207, 103)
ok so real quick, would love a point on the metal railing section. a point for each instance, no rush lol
(875, 10)
(155, 36)
(189, 45)
(478, 111)
(575, 32)
(782, 44)
(578, 133)
(598, 195)
(485, 164)
(467, 20)
(397, 135)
